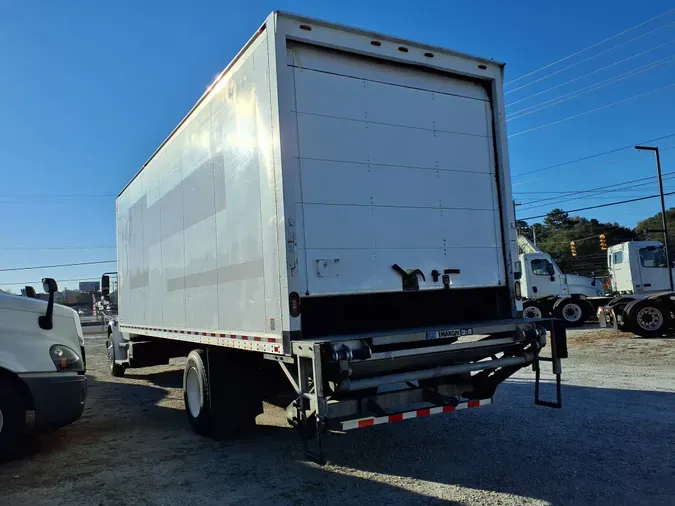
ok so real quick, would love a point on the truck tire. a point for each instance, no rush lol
(12, 420)
(115, 370)
(196, 393)
(571, 312)
(532, 310)
(645, 318)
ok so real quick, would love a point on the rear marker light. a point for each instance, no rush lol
(429, 55)
(306, 27)
(403, 49)
(376, 43)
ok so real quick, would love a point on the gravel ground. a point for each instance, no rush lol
(613, 443)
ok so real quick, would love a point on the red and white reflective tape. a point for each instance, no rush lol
(276, 342)
(418, 413)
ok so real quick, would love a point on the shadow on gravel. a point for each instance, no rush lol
(605, 445)
(164, 379)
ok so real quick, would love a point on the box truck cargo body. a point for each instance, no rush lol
(334, 194)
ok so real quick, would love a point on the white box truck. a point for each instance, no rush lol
(334, 215)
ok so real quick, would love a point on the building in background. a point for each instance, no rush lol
(90, 286)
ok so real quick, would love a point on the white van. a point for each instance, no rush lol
(42, 365)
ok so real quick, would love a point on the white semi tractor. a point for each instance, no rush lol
(548, 292)
(643, 301)
(333, 217)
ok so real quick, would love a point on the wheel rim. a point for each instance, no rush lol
(649, 318)
(572, 312)
(110, 353)
(193, 391)
(532, 312)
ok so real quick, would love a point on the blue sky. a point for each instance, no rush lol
(89, 89)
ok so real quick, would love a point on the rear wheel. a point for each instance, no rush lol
(645, 318)
(222, 391)
(196, 393)
(12, 420)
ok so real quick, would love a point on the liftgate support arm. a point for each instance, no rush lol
(558, 352)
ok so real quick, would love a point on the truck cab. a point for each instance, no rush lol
(42, 365)
(543, 278)
(638, 267)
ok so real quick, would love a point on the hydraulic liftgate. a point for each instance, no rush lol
(317, 408)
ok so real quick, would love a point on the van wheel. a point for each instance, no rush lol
(531, 310)
(12, 420)
(571, 312)
(115, 370)
(645, 318)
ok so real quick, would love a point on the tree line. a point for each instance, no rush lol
(559, 229)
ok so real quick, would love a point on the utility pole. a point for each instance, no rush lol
(534, 234)
(663, 209)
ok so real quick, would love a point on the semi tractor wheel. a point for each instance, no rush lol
(646, 318)
(532, 310)
(570, 311)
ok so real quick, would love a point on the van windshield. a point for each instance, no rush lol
(653, 257)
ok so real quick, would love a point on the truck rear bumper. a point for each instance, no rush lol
(58, 397)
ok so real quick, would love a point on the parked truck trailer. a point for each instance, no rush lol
(334, 216)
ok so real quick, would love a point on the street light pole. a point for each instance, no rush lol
(663, 209)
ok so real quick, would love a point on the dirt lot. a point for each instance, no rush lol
(612, 443)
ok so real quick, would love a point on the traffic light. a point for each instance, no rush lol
(573, 247)
(603, 243)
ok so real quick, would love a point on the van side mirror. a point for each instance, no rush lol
(30, 292)
(46, 321)
(105, 285)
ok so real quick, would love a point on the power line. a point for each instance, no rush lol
(600, 205)
(589, 47)
(588, 89)
(649, 179)
(57, 265)
(53, 195)
(591, 111)
(589, 73)
(40, 281)
(584, 158)
(589, 58)
(27, 248)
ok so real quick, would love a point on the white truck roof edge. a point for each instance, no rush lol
(390, 38)
(273, 17)
(220, 75)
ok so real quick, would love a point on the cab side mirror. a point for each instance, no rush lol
(105, 285)
(550, 269)
(46, 321)
(49, 285)
(30, 292)
(593, 282)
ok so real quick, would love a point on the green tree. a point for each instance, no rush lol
(654, 223)
(558, 219)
